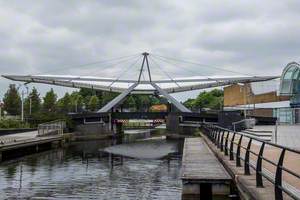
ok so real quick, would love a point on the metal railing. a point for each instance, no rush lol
(52, 128)
(247, 123)
(234, 144)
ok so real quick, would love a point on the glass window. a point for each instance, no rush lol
(290, 79)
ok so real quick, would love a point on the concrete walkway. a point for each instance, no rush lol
(287, 135)
(17, 137)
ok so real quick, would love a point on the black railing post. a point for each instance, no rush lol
(247, 158)
(231, 147)
(222, 139)
(211, 133)
(238, 152)
(278, 177)
(214, 135)
(259, 181)
(218, 138)
(226, 144)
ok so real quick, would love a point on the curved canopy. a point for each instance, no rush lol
(141, 85)
(290, 79)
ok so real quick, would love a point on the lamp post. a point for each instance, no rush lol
(1, 105)
(244, 87)
(24, 90)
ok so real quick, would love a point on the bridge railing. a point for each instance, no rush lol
(52, 128)
(268, 160)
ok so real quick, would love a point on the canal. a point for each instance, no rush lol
(84, 171)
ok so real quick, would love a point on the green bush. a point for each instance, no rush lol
(12, 123)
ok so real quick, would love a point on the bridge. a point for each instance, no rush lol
(144, 83)
(211, 146)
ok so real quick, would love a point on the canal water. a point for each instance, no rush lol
(81, 172)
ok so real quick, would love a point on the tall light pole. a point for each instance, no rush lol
(1, 104)
(243, 88)
(24, 90)
(30, 103)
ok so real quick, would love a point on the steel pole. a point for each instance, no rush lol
(22, 107)
(30, 102)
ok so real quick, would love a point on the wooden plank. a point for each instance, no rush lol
(30, 142)
(199, 164)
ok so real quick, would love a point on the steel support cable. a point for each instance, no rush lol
(125, 71)
(203, 65)
(191, 71)
(111, 64)
(91, 63)
(124, 62)
(159, 67)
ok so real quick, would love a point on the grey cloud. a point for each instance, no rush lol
(257, 37)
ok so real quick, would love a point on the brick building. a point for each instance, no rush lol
(275, 98)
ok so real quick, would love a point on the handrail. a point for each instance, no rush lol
(221, 139)
(239, 122)
(52, 127)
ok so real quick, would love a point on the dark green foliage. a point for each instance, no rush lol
(49, 104)
(93, 103)
(12, 123)
(64, 104)
(35, 101)
(211, 100)
(77, 102)
(12, 101)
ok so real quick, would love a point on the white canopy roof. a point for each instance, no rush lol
(143, 87)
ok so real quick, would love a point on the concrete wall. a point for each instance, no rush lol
(94, 129)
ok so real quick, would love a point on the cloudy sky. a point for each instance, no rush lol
(249, 37)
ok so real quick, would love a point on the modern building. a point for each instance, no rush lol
(274, 98)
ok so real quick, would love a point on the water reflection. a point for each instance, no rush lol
(67, 174)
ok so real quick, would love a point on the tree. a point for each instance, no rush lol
(93, 103)
(64, 104)
(50, 101)
(107, 97)
(33, 102)
(12, 101)
(211, 100)
(76, 102)
(129, 102)
(190, 103)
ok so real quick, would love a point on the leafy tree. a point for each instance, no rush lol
(77, 102)
(129, 102)
(34, 101)
(212, 100)
(189, 103)
(50, 101)
(12, 101)
(107, 97)
(64, 104)
(93, 103)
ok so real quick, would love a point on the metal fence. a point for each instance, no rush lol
(52, 128)
(250, 152)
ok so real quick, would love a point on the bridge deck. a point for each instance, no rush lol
(200, 165)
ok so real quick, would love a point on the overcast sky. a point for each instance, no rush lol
(250, 37)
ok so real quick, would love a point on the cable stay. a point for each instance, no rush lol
(144, 82)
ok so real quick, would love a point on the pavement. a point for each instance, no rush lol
(287, 135)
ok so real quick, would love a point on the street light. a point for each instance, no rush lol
(245, 87)
(24, 90)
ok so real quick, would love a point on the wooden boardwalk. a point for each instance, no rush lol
(200, 167)
(15, 144)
